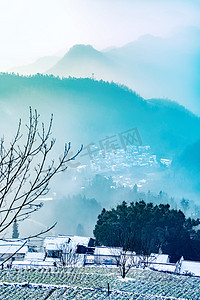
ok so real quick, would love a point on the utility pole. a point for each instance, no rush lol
(108, 289)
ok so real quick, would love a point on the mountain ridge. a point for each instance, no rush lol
(81, 61)
(156, 67)
(38, 66)
(90, 110)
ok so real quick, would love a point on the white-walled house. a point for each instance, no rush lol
(188, 267)
(161, 262)
(14, 248)
(106, 255)
(68, 249)
(80, 251)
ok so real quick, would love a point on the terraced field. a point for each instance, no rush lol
(91, 283)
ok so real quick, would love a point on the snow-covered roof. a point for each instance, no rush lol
(34, 256)
(159, 258)
(11, 246)
(164, 267)
(188, 266)
(61, 242)
(55, 243)
(107, 251)
(80, 240)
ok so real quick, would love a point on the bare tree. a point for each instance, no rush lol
(72, 258)
(26, 168)
(125, 260)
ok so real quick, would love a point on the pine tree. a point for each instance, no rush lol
(80, 230)
(15, 233)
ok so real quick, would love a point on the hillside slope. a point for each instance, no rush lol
(92, 283)
(84, 61)
(39, 66)
(87, 111)
(153, 66)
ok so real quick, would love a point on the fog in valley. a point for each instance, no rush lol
(125, 86)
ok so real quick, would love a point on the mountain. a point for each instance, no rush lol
(153, 66)
(187, 165)
(39, 66)
(83, 61)
(88, 111)
(163, 67)
(190, 158)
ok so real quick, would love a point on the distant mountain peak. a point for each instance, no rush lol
(81, 49)
(80, 61)
(38, 66)
(148, 37)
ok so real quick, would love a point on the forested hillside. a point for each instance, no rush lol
(91, 110)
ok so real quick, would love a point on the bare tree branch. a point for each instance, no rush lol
(25, 242)
(26, 168)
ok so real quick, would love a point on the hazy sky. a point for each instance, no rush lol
(33, 28)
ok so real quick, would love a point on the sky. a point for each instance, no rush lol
(30, 29)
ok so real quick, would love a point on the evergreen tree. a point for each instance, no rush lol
(147, 229)
(80, 230)
(135, 188)
(15, 233)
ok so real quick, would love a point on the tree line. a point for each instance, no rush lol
(146, 228)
